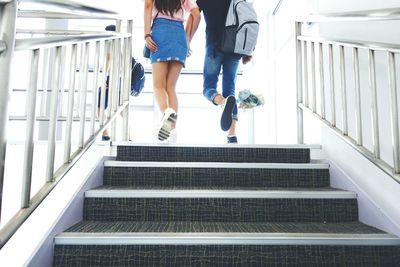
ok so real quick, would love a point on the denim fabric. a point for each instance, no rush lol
(170, 37)
(214, 61)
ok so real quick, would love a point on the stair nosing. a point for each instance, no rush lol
(264, 194)
(213, 165)
(226, 239)
(289, 146)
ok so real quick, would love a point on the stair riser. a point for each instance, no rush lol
(215, 177)
(225, 255)
(220, 210)
(215, 154)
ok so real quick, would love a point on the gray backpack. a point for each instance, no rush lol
(241, 29)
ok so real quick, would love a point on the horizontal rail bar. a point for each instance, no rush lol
(386, 47)
(68, 15)
(35, 43)
(57, 32)
(67, 4)
(367, 15)
(44, 118)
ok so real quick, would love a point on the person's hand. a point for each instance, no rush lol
(189, 48)
(151, 44)
(246, 59)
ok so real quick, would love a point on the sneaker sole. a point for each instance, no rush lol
(226, 118)
(165, 130)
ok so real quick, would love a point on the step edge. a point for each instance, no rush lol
(214, 165)
(231, 194)
(226, 238)
(263, 146)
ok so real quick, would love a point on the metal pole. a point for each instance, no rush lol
(344, 90)
(29, 142)
(356, 65)
(394, 112)
(51, 147)
(128, 73)
(305, 75)
(103, 87)
(374, 103)
(313, 79)
(43, 98)
(70, 112)
(332, 86)
(84, 83)
(8, 17)
(322, 79)
(299, 79)
(95, 88)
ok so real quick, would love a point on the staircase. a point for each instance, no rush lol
(221, 206)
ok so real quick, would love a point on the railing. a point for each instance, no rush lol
(71, 49)
(308, 90)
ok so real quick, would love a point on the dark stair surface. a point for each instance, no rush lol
(263, 215)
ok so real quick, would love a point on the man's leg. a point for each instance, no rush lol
(212, 68)
(229, 74)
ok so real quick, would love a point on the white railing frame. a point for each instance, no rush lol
(303, 90)
(53, 80)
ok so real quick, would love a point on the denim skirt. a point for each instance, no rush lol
(170, 37)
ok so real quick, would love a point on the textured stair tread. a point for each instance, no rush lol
(213, 154)
(318, 189)
(211, 227)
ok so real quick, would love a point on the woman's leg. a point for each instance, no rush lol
(160, 72)
(174, 69)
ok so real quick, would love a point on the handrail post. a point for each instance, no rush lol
(332, 86)
(8, 17)
(51, 146)
(374, 103)
(322, 79)
(299, 78)
(344, 90)
(394, 112)
(128, 73)
(356, 69)
(29, 143)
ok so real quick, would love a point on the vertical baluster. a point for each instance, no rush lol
(332, 86)
(322, 79)
(394, 112)
(299, 80)
(356, 65)
(45, 77)
(84, 83)
(51, 146)
(95, 88)
(128, 59)
(70, 110)
(61, 96)
(313, 79)
(112, 81)
(115, 83)
(344, 90)
(103, 87)
(374, 103)
(305, 69)
(8, 17)
(81, 60)
(30, 121)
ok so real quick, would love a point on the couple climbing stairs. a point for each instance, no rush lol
(221, 206)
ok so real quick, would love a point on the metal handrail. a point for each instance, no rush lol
(36, 43)
(53, 49)
(72, 5)
(72, 14)
(307, 48)
(353, 16)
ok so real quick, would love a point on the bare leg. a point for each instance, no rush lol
(232, 130)
(160, 72)
(219, 100)
(174, 69)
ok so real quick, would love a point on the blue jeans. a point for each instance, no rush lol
(214, 61)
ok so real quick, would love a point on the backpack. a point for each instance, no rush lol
(241, 29)
(138, 78)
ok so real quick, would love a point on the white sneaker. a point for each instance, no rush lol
(173, 137)
(166, 124)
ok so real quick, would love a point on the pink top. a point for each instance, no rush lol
(187, 6)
